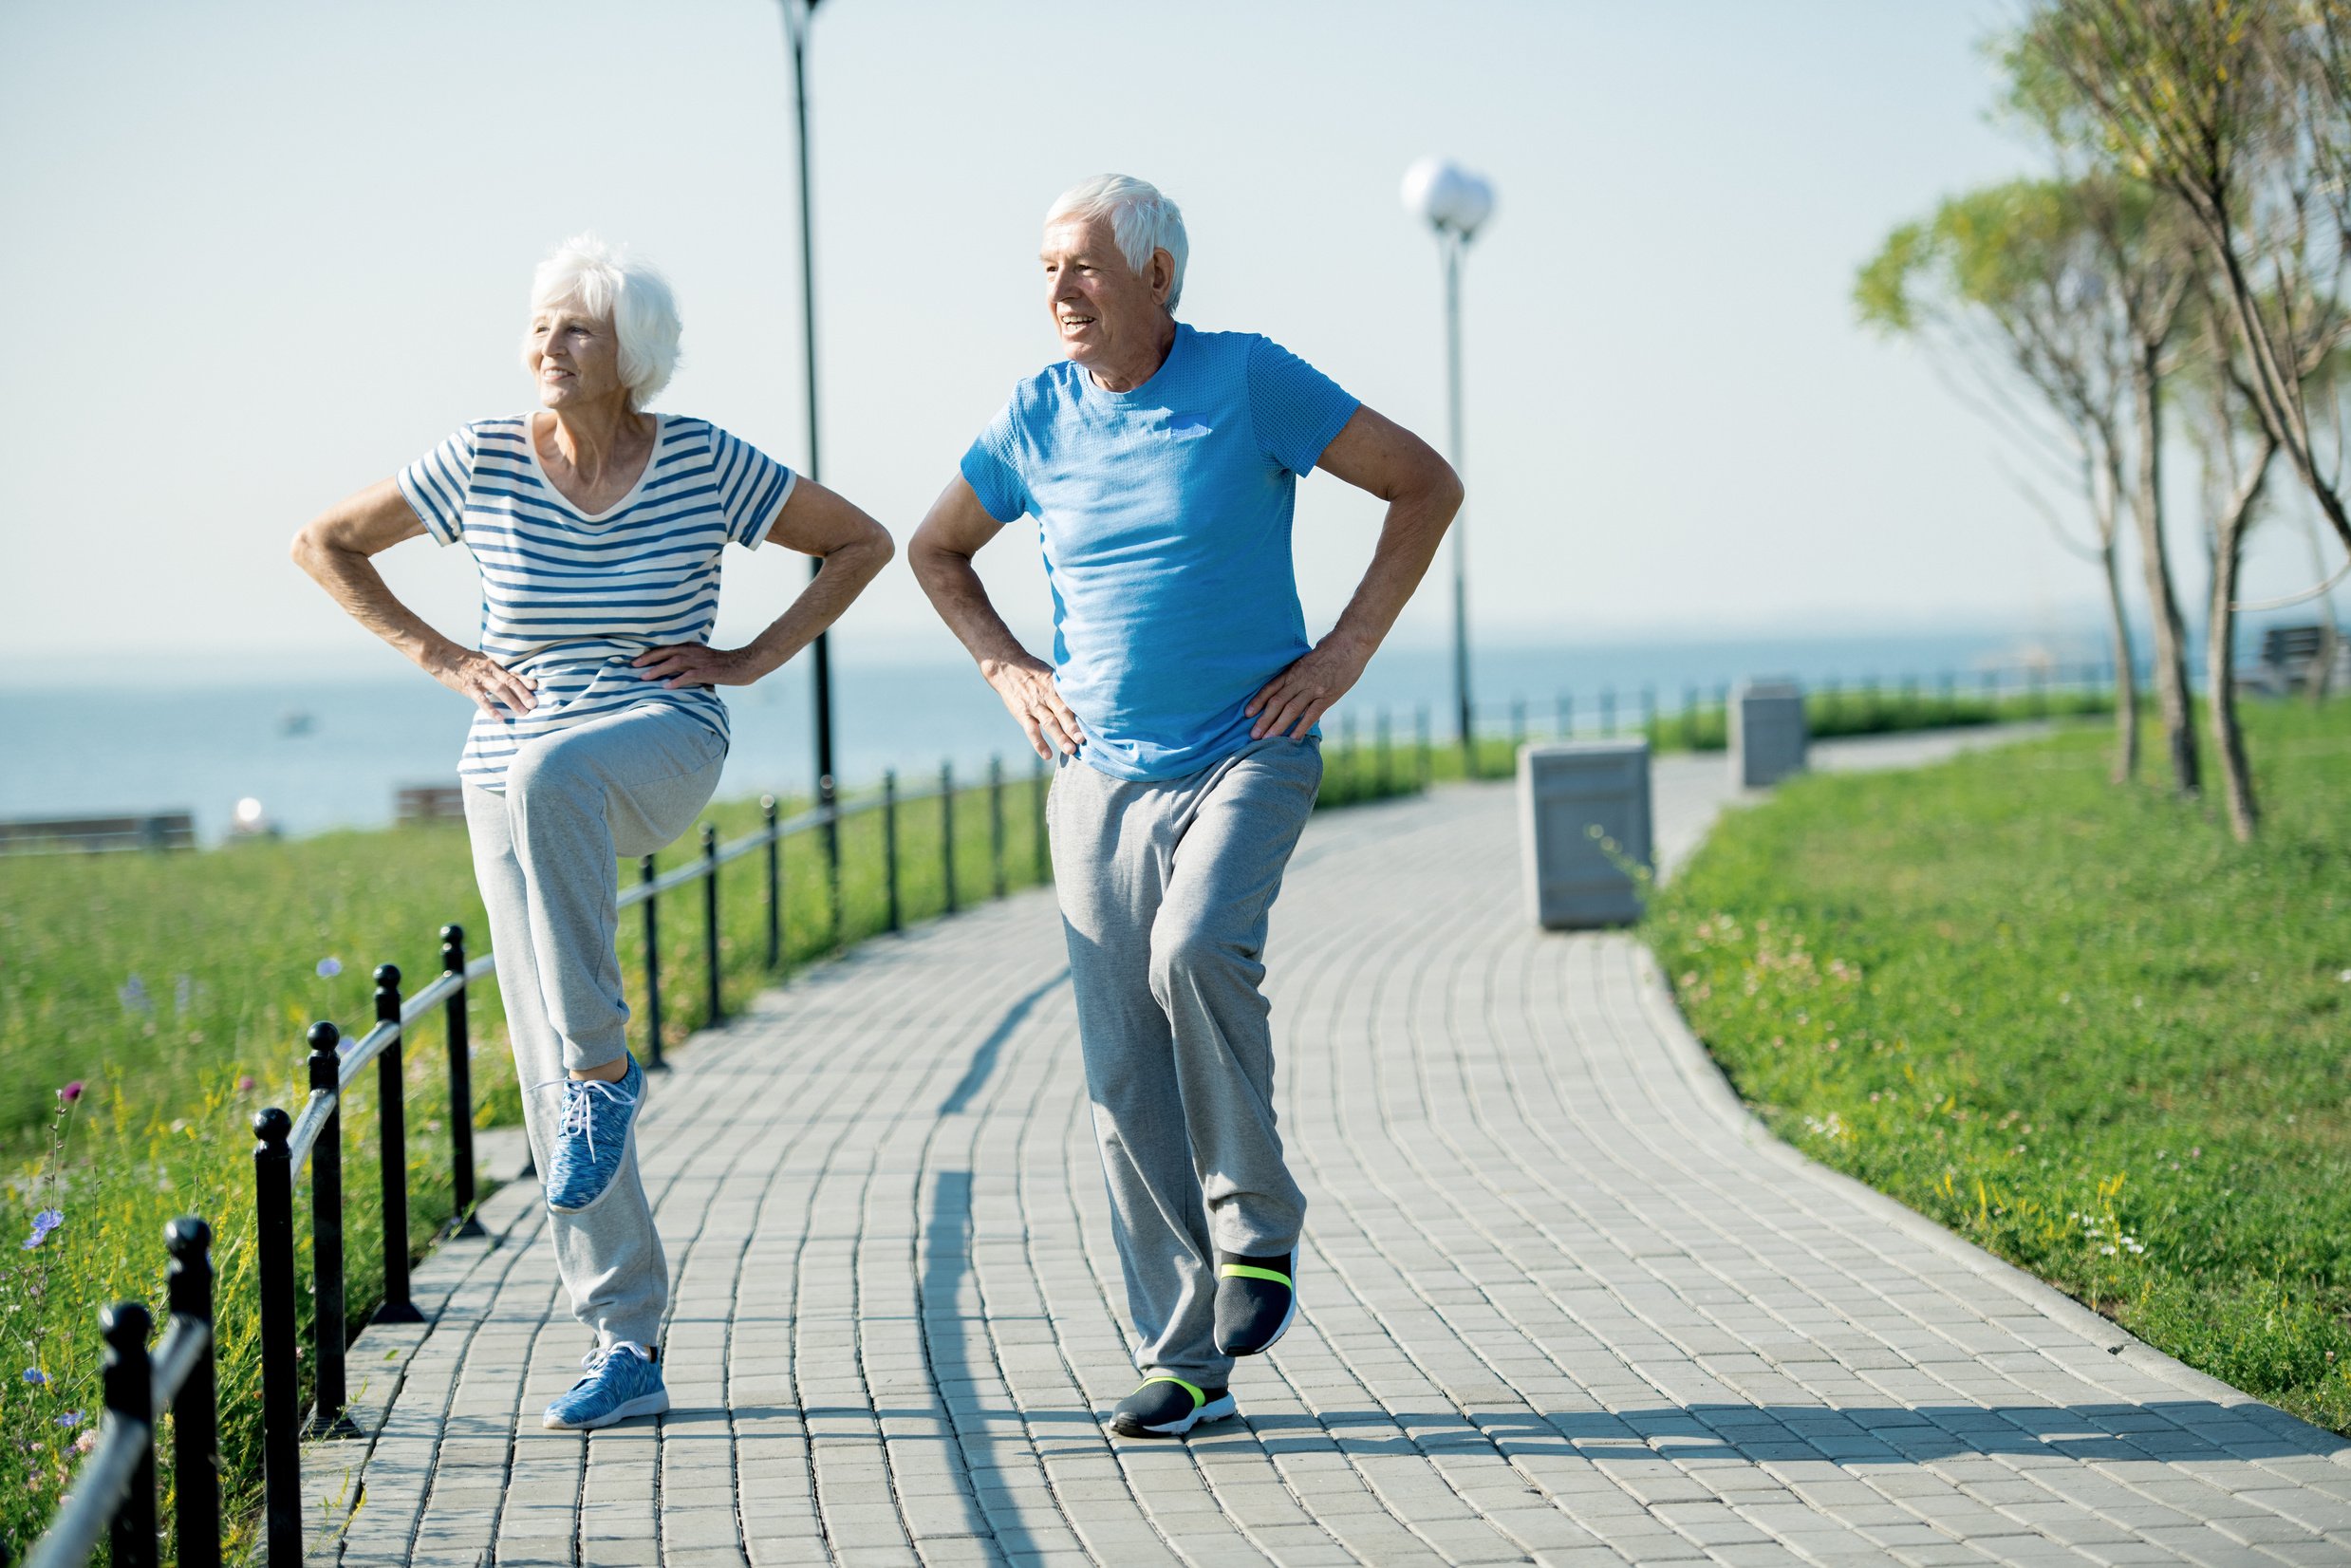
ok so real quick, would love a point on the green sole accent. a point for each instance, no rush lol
(1198, 1398)
(1249, 1271)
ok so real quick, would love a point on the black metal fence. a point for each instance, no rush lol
(284, 1142)
(116, 1488)
(113, 1494)
(1694, 716)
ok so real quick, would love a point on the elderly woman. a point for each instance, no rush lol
(598, 530)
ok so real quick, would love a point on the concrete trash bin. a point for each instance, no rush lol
(1566, 789)
(1767, 733)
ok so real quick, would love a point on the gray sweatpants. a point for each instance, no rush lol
(1165, 888)
(544, 853)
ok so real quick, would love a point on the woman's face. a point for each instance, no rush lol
(574, 357)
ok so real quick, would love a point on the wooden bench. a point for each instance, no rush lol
(422, 803)
(2290, 657)
(64, 835)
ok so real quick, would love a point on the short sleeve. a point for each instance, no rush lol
(991, 470)
(753, 487)
(1297, 410)
(436, 485)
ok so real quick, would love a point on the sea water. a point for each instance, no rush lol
(318, 755)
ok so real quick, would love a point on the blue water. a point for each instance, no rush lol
(119, 749)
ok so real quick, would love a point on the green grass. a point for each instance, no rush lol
(226, 946)
(2079, 1025)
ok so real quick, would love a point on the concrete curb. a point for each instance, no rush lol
(1698, 1069)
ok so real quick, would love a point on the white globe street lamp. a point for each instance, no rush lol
(1455, 204)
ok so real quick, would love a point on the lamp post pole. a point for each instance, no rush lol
(797, 18)
(1454, 245)
(1453, 202)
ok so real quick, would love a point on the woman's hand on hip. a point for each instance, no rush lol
(697, 664)
(487, 682)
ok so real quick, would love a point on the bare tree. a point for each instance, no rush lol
(2014, 284)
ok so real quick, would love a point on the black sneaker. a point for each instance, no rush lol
(1168, 1407)
(1256, 1299)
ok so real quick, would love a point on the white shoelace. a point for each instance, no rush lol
(598, 1356)
(578, 1113)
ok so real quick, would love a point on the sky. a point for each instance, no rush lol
(260, 255)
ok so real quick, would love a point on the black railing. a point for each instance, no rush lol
(114, 1493)
(284, 1142)
(1696, 721)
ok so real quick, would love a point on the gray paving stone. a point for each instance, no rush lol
(1561, 1303)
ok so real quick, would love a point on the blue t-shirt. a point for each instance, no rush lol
(1165, 514)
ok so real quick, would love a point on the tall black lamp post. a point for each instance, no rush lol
(1453, 202)
(796, 16)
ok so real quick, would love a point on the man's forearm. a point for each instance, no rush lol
(961, 600)
(1413, 529)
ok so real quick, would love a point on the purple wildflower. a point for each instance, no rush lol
(72, 1093)
(43, 1222)
(70, 1420)
(34, 1375)
(329, 968)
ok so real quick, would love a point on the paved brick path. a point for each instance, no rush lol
(1562, 1302)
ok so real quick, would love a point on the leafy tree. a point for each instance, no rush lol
(2237, 451)
(2015, 285)
(2242, 110)
(2150, 254)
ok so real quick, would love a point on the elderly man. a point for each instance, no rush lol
(1161, 465)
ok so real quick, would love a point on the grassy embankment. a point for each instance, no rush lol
(2079, 1025)
(176, 991)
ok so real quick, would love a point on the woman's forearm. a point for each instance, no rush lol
(353, 581)
(335, 548)
(840, 578)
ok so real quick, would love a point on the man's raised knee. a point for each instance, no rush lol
(1183, 953)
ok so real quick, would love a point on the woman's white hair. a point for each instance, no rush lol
(1141, 219)
(585, 272)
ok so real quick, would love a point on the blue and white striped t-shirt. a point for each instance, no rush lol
(569, 597)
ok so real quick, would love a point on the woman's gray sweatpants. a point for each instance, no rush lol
(544, 852)
(1166, 887)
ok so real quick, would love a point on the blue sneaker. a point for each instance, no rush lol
(592, 1137)
(622, 1381)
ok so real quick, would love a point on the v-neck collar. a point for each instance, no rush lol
(593, 520)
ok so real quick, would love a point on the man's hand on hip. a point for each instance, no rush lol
(1293, 701)
(1026, 684)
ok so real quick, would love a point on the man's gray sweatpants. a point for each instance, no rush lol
(1166, 887)
(544, 852)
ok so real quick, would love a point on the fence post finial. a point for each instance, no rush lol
(196, 1409)
(129, 1381)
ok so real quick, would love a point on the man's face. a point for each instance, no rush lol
(1103, 310)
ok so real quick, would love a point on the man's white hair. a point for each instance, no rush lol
(1141, 219)
(589, 275)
